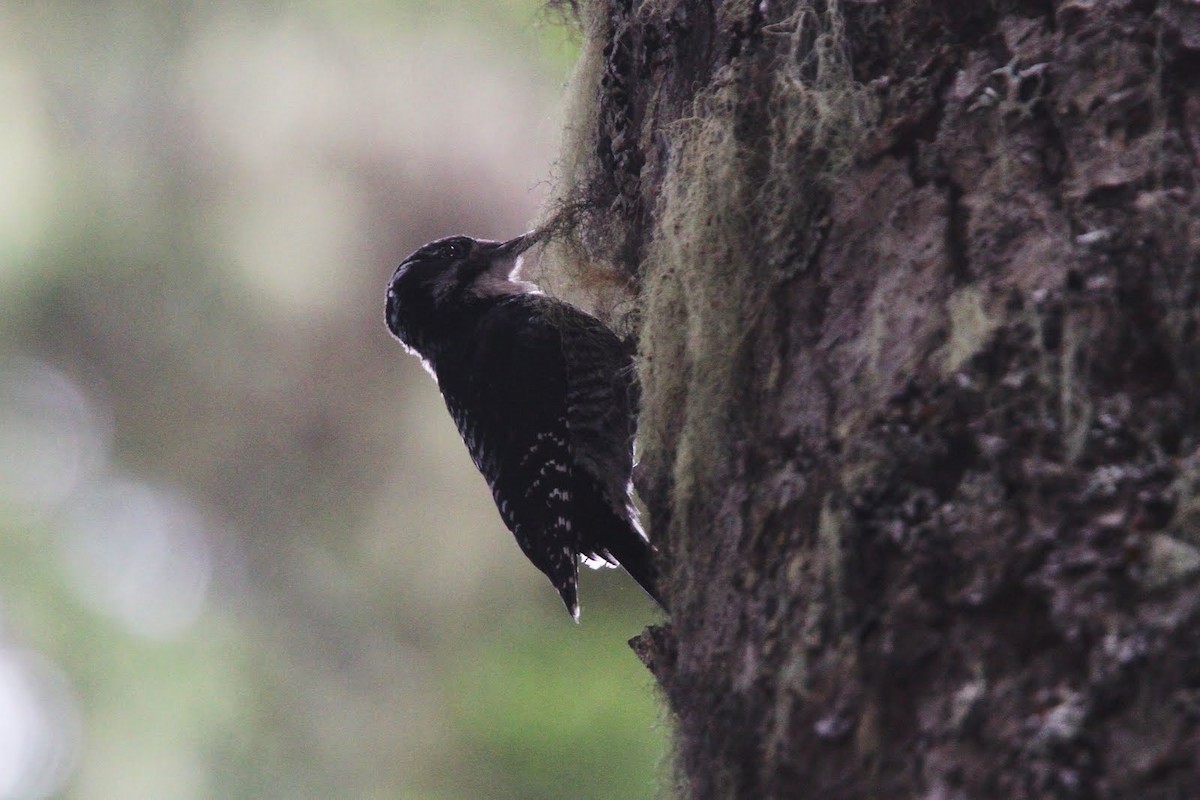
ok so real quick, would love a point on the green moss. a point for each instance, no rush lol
(971, 327)
(1168, 561)
(575, 263)
(746, 175)
(733, 223)
(829, 535)
(1076, 408)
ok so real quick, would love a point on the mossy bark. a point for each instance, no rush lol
(918, 305)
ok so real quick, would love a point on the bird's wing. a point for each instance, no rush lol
(515, 422)
(602, 397)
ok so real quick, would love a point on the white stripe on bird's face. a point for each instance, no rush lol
(502, 278)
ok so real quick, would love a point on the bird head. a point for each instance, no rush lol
(450, 274)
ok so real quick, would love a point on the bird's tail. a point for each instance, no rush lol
(568, 590)
(628, 546)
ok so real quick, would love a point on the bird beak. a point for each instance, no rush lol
(503, 258)
(514, 247)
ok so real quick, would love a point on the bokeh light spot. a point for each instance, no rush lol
(139, 554)
(39, 727)
(51, 437)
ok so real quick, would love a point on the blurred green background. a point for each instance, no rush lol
(243, 553)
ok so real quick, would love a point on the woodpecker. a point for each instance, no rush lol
(544, 396)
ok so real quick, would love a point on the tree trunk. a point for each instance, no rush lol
(917, 303)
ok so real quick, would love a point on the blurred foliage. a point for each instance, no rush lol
(242, 551)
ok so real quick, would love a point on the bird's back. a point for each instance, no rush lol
(546, 406)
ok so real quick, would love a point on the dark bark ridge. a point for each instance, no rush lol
(918, 303)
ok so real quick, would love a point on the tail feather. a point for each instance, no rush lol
(637, 557)
(568, 589)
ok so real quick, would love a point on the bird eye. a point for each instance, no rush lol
(454, 250)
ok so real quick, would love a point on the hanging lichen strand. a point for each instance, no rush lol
(703, 204)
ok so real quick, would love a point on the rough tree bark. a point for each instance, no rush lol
(917, 301)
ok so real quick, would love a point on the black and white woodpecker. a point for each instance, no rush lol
(543, 394)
